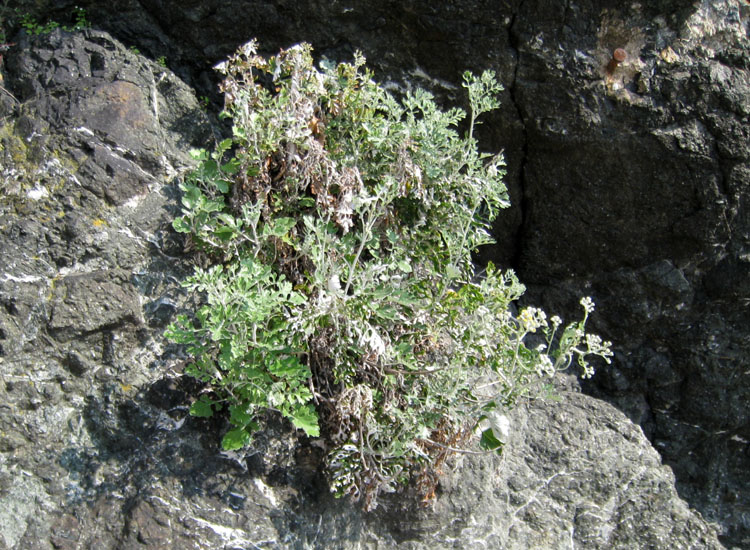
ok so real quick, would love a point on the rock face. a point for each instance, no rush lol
(647, 171)
(98, 448)
(629, 184)
(629, 181)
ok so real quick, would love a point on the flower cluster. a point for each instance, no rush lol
(587, 303)
(532, 318)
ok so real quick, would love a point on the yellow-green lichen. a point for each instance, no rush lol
(30, 171)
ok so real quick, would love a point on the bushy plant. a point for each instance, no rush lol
(335, 230)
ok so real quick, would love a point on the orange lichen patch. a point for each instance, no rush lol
(98, 222)
(122, 101)
(118, 111)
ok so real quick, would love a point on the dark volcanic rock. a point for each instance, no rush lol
(92, 302)
(116, 110)
(75, 270)
(633, 168)
(635, 191)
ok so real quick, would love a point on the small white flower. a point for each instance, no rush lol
(505, 317)
(587, 303)
(324, 301)
(588, 371)
(556, 321)
(344, 212)
(593, 341)
(545, 366)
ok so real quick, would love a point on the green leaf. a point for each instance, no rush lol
(202, 408)
(403, 297)
(231, 167)
(275, 397)
(198, 154)
(226, 357)
(212, 206)
(236, 439)
(191, 197)
(305, 418)
(221, 185)
(210, 169)
(386, 312)
(225, 233)
(288, 367)
(404, 266)
(452, 272)
(224, 146)
(181, 225)
(296, 299)
(279, 227)
(489, 442)
(239, 416)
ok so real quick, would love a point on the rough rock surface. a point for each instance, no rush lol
(97, 448)
(637, 193)
(630, 182)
